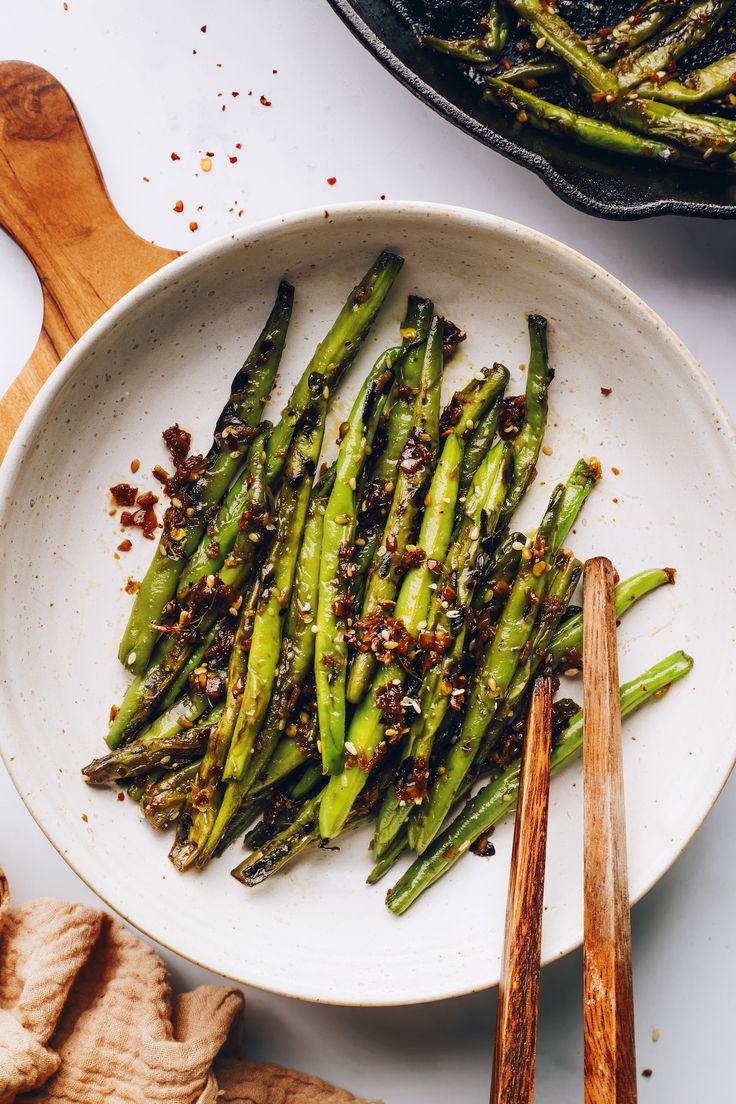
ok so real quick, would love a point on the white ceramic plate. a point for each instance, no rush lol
(167, 352)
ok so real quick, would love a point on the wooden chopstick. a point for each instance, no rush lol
(609, 1051)
(518, 990)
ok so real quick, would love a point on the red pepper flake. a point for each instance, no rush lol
(175, 157)
(238, 145)
(124, 494)
(194, 51)
(235, 95)
(513, 413)
(146, 180)
(178, 206)
(415, 455)
(147, 499)
(85, 818)
(193, 226)
(606, 391)
(382, 197)
(203, 29)
(232, 160)
(274, 71)
(144, 519)
(66, 6)
(332, 180)
(240, 212)
(125, 546)
(265, 102)
(208, 154)
(114, 710)
(616, 471)
(121, 796)
(135, 465)
(178, 441)
(132, 586)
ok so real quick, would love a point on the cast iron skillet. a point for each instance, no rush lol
(591, 180)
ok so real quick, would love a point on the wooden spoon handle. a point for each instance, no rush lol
(518, 990)
(609, 1050)
(54, 203)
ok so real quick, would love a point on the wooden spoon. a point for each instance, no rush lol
(609, 1051)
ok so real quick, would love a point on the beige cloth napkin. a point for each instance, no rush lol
(87, 1016)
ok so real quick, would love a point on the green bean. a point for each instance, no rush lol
(580, 483)
(492, 679)
(277, 576)
(566, 644)
(164, 799)
(207, 793)
(528, 441)
(338, 535)
(565, 123)
(414, 469)
(156, 747)
(185, 523)
(680, 36)
(482, 435)
(334, 353)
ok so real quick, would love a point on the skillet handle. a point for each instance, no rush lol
(54, 204)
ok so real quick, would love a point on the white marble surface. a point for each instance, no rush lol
(142, 93)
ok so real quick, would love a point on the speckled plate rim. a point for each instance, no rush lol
(558, 183)
(190, 262)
